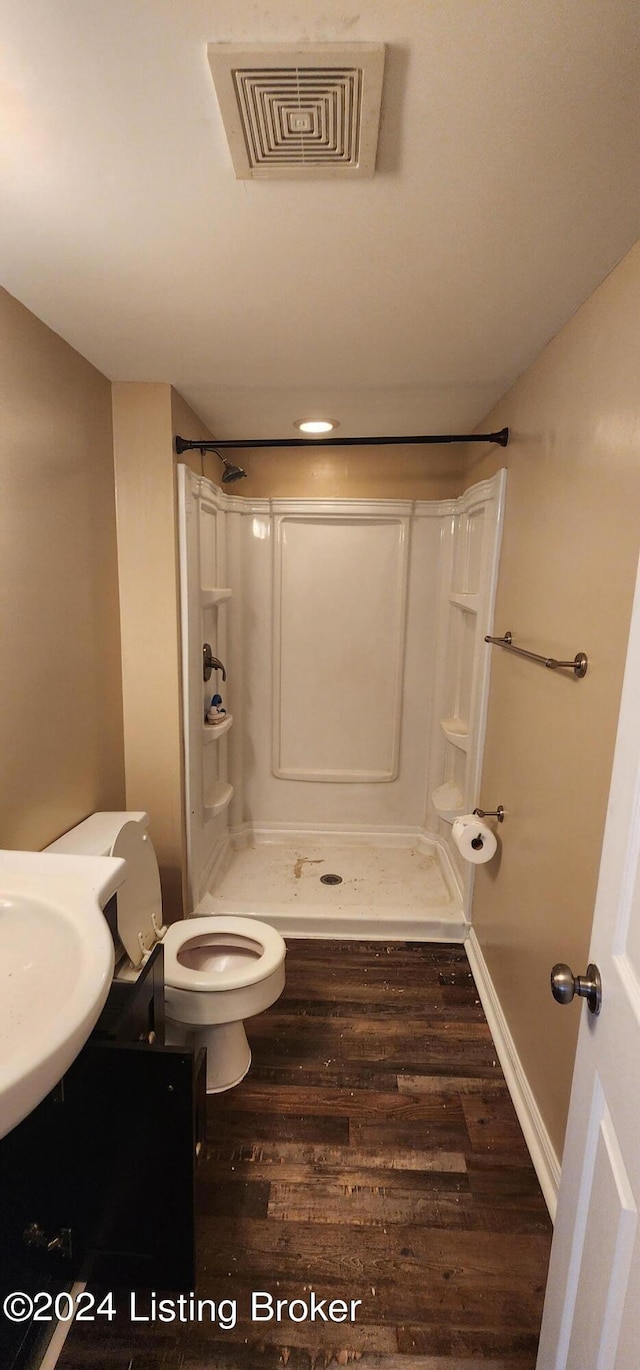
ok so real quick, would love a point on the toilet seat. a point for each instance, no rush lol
(234, 934)
(139, 913)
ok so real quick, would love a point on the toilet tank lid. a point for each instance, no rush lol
(97, 834)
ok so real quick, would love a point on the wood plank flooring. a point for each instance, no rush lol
(372, 1153)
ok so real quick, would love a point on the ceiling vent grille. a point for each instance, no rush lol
(292, 112)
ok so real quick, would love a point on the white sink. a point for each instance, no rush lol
(56, 966)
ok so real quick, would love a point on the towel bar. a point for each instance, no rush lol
(578, 665)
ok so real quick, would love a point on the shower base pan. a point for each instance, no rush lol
(395, 887)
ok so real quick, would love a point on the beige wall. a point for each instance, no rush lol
(400, 472)
(60, 702)
(571, 542)
(187, 423)
(396, 472)
(145, 420)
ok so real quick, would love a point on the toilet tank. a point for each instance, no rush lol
(139, 899)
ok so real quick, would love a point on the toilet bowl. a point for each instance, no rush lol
(218, 970)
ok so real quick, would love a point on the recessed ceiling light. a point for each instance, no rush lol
(316, 425)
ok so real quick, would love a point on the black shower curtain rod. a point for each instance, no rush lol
(186, 445)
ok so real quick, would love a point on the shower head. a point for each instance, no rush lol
(231, 472)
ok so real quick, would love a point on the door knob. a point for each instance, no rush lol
(564, 984)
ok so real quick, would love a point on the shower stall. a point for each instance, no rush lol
(352, 637)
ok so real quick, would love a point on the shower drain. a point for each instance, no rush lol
(330, 879)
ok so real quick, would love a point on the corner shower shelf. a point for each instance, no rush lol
(467, 602)
(211, 596)
(212, 731)
(456, 731)
(448, 802)
(218, 798)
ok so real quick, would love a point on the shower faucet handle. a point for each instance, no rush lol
(211, 663)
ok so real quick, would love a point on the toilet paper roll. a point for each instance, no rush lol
(474, 840)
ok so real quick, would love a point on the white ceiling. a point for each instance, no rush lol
(507, 187)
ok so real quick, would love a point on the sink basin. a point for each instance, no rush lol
(56, 966)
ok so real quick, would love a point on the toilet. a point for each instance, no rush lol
(218, 970)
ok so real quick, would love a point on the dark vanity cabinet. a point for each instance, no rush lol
(97, 1184)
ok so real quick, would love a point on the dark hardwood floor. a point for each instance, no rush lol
(372, 1153)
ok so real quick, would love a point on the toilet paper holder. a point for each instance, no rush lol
(491, 813)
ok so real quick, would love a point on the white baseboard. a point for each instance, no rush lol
(543, 1155)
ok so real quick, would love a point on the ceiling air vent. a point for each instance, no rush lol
(294, 111)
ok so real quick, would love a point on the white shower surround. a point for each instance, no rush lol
(339, 621)
(309, 757)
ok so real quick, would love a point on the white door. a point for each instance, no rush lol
(592, 1310)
